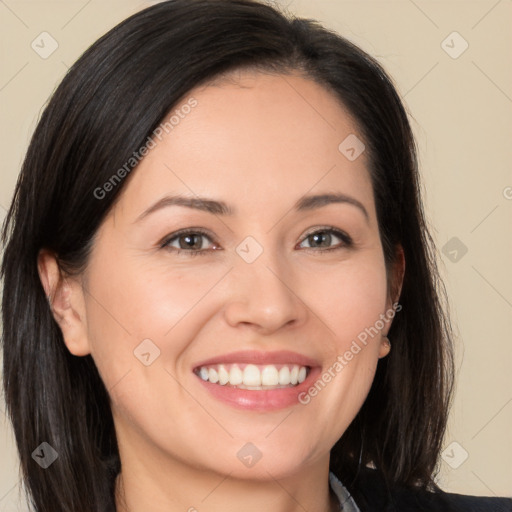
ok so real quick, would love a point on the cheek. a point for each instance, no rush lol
(130, 303)
(350, 297)
(351, 303)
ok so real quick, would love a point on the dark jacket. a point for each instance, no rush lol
(371, 495)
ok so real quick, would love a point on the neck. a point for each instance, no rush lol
(141, 487)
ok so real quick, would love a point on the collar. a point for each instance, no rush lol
(347, 503)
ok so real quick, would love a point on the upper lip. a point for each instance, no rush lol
(258, 357)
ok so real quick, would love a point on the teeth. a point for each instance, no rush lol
(235, 376)
(253, 376)
(203, 373)
(284, 376)
(270, 376)
(213, 376)
(223, 375)
(294, 375)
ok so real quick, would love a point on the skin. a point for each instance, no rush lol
(258, 142)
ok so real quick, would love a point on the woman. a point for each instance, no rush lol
(215, 239)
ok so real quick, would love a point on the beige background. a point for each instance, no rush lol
(461, 110)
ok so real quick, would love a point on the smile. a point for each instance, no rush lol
(255, 380)
(254, 377)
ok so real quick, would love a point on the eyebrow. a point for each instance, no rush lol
(305, 203)
(317, 201)
(197, 203)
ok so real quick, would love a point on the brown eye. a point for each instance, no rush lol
(320, 239)
(189, 242)
(193, 241)
(324, 238)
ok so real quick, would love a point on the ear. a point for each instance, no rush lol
(397, 277)
(66, 300)
(396, 281)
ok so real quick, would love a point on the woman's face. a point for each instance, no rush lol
(284, 285)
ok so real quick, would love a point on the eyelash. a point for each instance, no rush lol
(346, 241)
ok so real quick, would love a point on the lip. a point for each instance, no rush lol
(260, 400)
(255, 357)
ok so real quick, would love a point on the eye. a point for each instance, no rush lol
(321, 240)
(189, 241)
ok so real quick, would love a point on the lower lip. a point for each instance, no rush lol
(261, 400)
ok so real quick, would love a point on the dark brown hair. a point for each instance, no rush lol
(110, 101)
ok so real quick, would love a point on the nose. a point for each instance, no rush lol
(261, 295)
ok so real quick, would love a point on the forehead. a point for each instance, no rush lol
(253, 137)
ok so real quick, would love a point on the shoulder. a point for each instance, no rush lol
(371, 495)
(459, 502)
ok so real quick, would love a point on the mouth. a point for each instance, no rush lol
(260, 381)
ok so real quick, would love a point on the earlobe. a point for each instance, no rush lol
(385, 347)
(66, 301)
